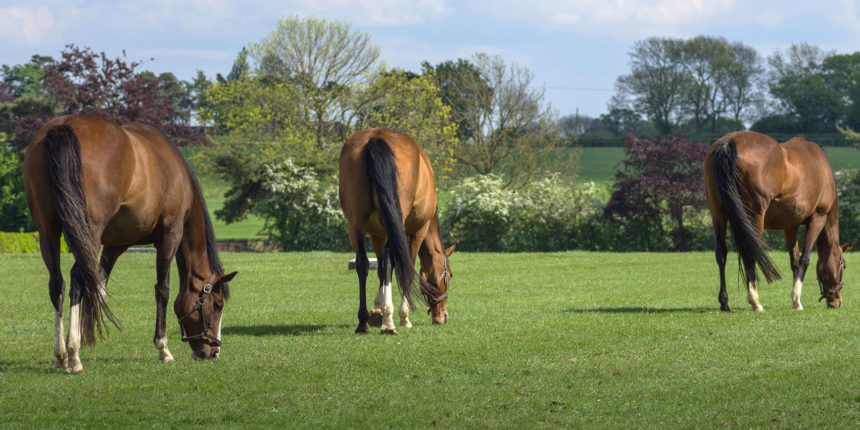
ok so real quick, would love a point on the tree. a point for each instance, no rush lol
(463, 90)
(325, 61)
(14, 215)
(514, 132)
(660, 185)
(655, 81)
(742, 85)
(797, 80)
(86, 82)
(413, 105)
(23, 98)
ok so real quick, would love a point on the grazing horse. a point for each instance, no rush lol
(387, 190)
(101, 184)
(754, 183)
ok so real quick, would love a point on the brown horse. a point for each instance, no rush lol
(102, 184)
(387, 190)
(754, 183)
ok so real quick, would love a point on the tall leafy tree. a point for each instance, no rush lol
(325, 61)
(798, 82)
(463, 89)
(514, 132)
(655, 84)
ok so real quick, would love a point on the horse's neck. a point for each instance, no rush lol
(193, 247)
(431, 252)
(828, 242)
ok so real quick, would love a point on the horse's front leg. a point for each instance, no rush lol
(794, 260)
(165, 252)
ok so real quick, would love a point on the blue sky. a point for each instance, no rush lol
(575, 48)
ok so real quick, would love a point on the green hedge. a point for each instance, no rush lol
(23, 243)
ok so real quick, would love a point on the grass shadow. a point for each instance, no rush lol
(639, 310)
(277, 330)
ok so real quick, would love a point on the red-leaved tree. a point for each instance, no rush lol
(661, 182)
(84, 81)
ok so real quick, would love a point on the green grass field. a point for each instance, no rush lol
(534, 340)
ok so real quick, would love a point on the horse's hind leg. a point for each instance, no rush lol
(378, 244)
(386, 266)
(49, 243)
(362, 265)
(794, 259)
(721, 252)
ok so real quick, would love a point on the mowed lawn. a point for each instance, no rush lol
(534, 341)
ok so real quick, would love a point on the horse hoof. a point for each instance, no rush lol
(61, 364)
(362, 329)
(166, 358)
(755, 308)
(725, 308)
(375, 319)
(75, 369)
(389, 330)
(405, 324)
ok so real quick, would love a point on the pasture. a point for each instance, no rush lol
(534, 340)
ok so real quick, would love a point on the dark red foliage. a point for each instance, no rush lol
(83, 81)
(660, 178)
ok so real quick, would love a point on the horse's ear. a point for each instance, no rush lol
(450, 250)
(849, 245)
(226, 278)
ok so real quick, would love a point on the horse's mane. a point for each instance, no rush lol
(211, 243)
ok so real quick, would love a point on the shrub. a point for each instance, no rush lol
(23, 243)
(14, 214)
(301, 212)
(478, 215)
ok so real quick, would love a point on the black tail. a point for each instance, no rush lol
(63, 159)
(379, 162)
(751, 248)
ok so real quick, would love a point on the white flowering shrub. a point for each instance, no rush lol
(301, 213)
(546, 216)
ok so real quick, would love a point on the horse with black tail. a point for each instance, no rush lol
(753, 183)
(387, 190)
(110, 187)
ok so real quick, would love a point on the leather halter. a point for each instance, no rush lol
(836, 287)
(435, 300)
(199, 306)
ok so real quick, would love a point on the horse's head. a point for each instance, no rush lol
(830, 275)
(439, 275)
(199, 308)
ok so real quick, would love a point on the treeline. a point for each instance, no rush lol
(271, 129)
(709, 85)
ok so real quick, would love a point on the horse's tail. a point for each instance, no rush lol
(751, 247)
(63, 159)
(382, 172)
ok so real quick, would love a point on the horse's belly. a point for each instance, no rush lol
(781, 216)
(125, 229)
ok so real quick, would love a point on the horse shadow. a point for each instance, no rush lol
(277, 330)
(638, 310)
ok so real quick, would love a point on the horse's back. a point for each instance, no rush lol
(132, 176)
(416, 186)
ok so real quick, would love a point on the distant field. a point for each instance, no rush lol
(568, 340)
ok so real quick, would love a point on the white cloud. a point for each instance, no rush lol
(382, 12)
(26, 26)
(617, 16)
